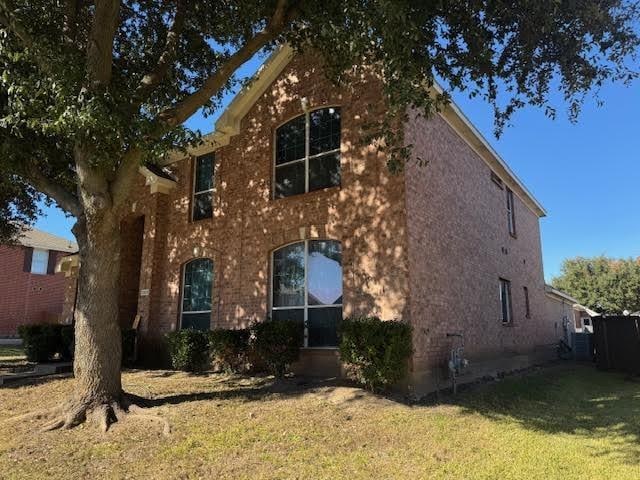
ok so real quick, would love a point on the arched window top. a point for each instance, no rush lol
(197, 293)
(307, 287)
(307, 153)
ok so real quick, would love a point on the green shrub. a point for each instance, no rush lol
(189, 349)
(67, 342)
(128, 346)
(40, 341)
(276, 344)
(376, 351)
(229, 349)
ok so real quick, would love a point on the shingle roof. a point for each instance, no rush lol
(39, 239)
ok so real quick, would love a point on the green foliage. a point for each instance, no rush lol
(189, 350)
(67, 333)
(229, 349)
(129, 346)
(42, 342)
(377, 351)
(606, 285)
(277, 344)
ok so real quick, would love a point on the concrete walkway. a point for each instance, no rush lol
(40, 370)
(11, 341)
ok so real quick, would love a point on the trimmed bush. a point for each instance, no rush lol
(189, 349)
(277, 344)
(376, 351)
(128, 346)
(67, 342)
(229, 349)
(40, 341)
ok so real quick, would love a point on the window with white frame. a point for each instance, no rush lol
(197, 286)
(511, 213)
(202, 202)
(506, 307)
(39, 261)
(307, 153)
(307, 288)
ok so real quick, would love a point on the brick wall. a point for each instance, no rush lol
(366, 213)
(25, 297)
(459, 248)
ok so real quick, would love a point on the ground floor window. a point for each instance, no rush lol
(307, 288)
(506, 308)
(197, 286)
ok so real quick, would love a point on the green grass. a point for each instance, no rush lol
(10, 352)
(563, 423)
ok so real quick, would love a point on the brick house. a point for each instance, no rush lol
(30, 290)
(283, 212)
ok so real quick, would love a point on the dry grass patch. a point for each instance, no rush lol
(564, 423)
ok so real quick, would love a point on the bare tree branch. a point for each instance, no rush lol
(180, 112)
(153, 79)
(100, 46)
(54, 190)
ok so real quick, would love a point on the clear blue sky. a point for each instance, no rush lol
(587, 175)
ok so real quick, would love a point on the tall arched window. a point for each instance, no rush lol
(307, 287)
(308, 153)
(196, 294)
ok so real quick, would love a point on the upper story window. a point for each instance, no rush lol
(202, 201)
(197, 286)
(506, 306)
(307, 288)
(307, 156)
(511, 213)
(39, 261)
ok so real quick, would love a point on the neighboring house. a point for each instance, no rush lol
(284, 213)
(568, 314)
(30, 290)
(584, 318)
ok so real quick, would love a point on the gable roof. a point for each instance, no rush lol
(228, 125)
(38, 239)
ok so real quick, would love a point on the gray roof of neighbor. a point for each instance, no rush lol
(39, 239)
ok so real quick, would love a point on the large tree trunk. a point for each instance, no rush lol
(98, 348)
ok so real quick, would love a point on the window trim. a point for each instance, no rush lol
(181, 311)
(46, 265)
(306, 305)
(193, 185)
(511, 213)
(307, 142)
(509, 320)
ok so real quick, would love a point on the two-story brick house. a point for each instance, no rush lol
(285, 213)
(30, 290)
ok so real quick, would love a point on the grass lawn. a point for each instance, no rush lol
(11, 352)
(562, 423)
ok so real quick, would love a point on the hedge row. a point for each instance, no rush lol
(44, 342)
(272, 345)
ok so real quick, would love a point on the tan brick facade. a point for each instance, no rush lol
(427, 247)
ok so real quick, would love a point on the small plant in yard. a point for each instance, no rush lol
(277, 344)
(376, 351)
(189, 350)
(41, 342)
(229, 349)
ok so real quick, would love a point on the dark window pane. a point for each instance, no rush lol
(203, 205)
(324, 171)
(323, 326)
(296, 315)
(198, 280)
(204, 173)
(324, 130)
(290, 140)
(325, 272)
(196, 321)
(290, 179)
(288, 276)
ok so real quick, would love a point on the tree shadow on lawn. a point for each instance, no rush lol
(576, 400)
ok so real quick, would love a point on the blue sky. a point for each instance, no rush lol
(587, 175)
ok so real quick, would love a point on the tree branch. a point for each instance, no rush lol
(65, 199)
(153, 79)
(180, 112)
(8, 19)
(124, 177)
(100, 45)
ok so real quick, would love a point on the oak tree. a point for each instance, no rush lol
(90, 90)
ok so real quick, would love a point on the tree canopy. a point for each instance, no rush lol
(117, 80)
(606, 285)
